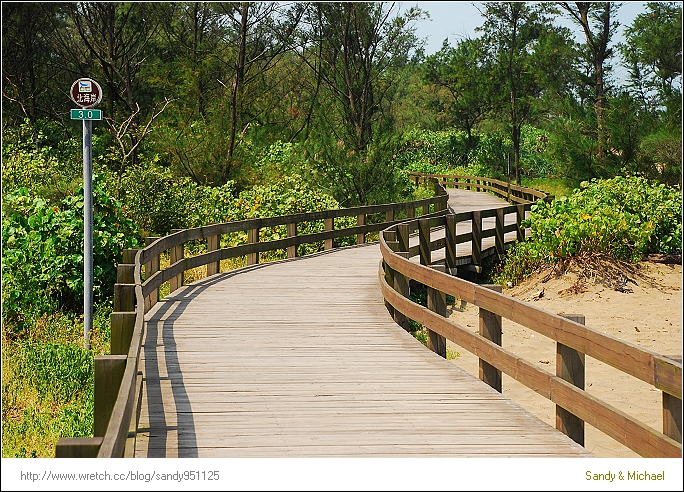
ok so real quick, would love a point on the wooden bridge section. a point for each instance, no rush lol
(301, 358)
(307, 356)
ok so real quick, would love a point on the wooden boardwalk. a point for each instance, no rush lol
(465, 201)
(301, 358)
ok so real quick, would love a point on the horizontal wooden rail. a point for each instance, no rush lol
(118, 409)
(502, 189)
(659, 371)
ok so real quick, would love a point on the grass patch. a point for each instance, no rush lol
(551, 186)
(47, 382)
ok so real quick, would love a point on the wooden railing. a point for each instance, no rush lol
(574, 406)
(118, 379)
(506, 190)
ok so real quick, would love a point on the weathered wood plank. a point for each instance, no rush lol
(318, 369)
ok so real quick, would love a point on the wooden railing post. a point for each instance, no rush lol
(78, 447)
(401, 283)
(124, 297)
(508, 188)
(176, 254)
(436, 302)
(151, 267)
(424, 241)
(450, 244)
(520, 216)
(490, 328)
(122, 325)
(476, 251)
(125, 273)
(109, 371)
(124, 289)
(213, 244)
(389, 216)
(499, 232)
(570, 367)
(410, 213)
(361, 221)
(672, 417)
(128, 255)
(403, 237)
(253, 238)
(329, 226)
(292, 232)
(389, 278)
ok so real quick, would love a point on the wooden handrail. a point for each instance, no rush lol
(396, 269)
(138, 296)
(502, 189)
(120, 434)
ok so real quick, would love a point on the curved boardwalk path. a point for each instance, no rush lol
(301, 358)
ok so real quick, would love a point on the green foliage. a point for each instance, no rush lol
(448, 152)
(61, 372)
(444, 150)
(459, 72)
(42, 251)
(653, 49)
(47, 383)
(290, 195)
(157, 200)
(279, 159)
(37, 157)
(660, 156)
(360, 177)
(624, 217)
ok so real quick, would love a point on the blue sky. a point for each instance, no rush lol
(456, 20)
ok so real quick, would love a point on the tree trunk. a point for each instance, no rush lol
(237, 87)
(598, 44)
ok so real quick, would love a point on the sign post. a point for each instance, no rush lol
(87, 94)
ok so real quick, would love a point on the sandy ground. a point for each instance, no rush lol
(650, 316)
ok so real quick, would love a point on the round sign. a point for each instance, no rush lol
(86, 93)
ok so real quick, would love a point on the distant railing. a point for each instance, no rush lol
(574, 406)
(506, 190)
(118, 378)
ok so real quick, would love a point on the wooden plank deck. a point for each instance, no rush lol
(301, 358)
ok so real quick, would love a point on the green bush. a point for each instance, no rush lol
(34, 157)
(47, 382)
(360, 177)
(447, 152)
(444, 149)
(157, 201)
(290, 195)
(42, 251)
(624, 217)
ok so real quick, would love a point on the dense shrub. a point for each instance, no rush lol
(34, 157)
(42, 251)
(448, 152)
(624, 217)
(290, 195)
(47, 382)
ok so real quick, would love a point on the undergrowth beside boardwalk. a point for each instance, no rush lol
(47, 382)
